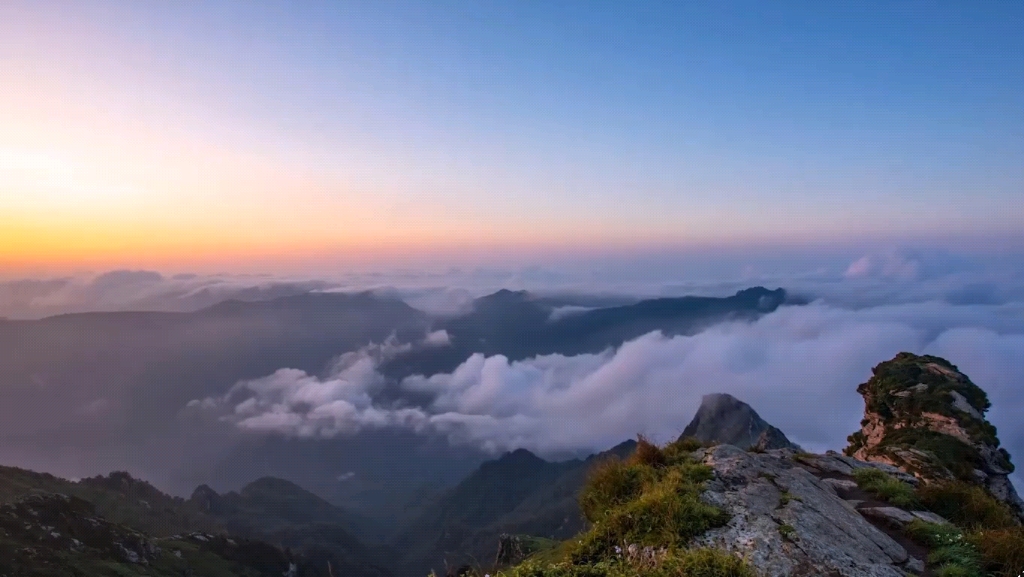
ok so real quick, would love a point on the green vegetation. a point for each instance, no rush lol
(802, 456)
(886, 487)
(787, 531)
(985, 540)
(966, 505)
(1001, 550)
(945, 452)
(644, 512)
(902, 390)
(786, 497)
(951, 554)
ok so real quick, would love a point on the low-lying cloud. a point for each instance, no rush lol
(799, 367)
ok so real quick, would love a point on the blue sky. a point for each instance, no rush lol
(487, 124)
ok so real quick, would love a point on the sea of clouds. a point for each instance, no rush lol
(798, 367)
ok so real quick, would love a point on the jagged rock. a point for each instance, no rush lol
(510, 550)
(205, 498)
(926, 418)
(832, 462)
(930, 517)
(813, 532)
(898, 518)
(842, 484)
(725, 419)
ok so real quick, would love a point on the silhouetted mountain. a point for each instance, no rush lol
(283, 513)
(727, 420)
(520, 325)
(99, 386)
(516, 493)
(269, 504)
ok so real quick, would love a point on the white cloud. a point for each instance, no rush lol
(559, 313)
(888, 265)
(799, 367)
(438, 338)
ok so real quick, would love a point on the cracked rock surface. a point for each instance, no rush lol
(788, 522)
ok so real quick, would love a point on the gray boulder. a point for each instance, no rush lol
(789, 523)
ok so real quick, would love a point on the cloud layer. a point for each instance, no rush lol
(799, 367)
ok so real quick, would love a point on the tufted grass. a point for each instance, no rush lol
(886, 487)
(650, 500)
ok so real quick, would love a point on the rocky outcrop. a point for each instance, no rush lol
(725, 419)
(786, 520)
(926, 418)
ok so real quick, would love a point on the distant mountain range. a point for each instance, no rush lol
(518, 493)
(519, 325)
(80, 393)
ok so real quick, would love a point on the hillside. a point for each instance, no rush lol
(518, 493)
(268, 510)
(56, 535)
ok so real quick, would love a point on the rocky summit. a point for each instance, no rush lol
(925, 417)
(724, 419)
(788, 516)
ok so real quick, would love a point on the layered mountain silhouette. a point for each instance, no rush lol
(518, 493)
(101, 385)
(273, 517)
(519, 325)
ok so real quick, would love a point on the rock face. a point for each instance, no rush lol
(725, 419)
(925, 417)
(786, 521)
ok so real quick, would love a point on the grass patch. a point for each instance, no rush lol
(610, 484)
(788, 532)
(647, 453)
(952, 555)
(966, 505)
(668, 513)
(682, 447)
(1001, 550)
(886, 487)
(650, 501)
(986, 539)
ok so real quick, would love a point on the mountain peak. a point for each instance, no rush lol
(722, 418)
(766, 299)
(924, 416)
(506, 296)
(520, 457)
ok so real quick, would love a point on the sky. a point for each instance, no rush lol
(291, 136)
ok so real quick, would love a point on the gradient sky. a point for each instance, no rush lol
(180, 134)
